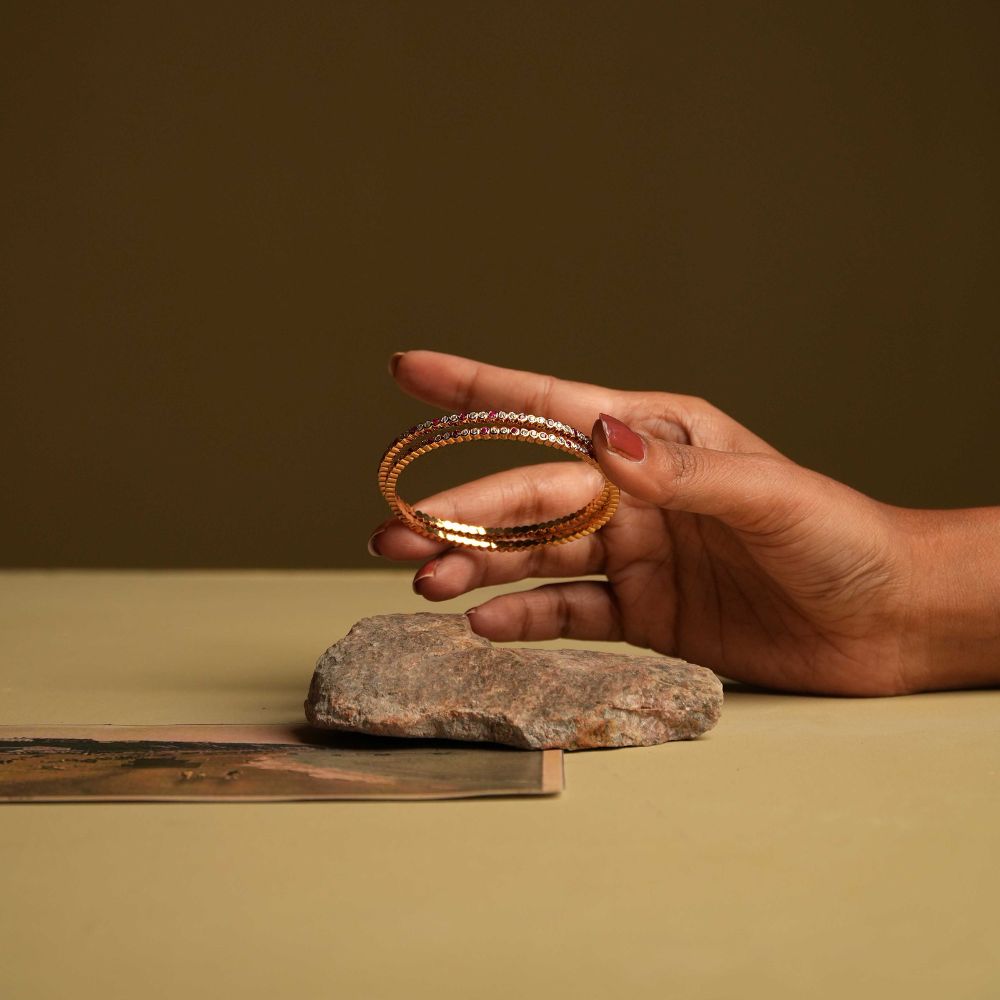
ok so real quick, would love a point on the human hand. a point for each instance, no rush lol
(723, 551)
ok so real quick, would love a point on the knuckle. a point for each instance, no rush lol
(671, 428)
(527, 619)
(469, 392)
(685, 419)
(685, 465)
(706, 424)
(561, 612)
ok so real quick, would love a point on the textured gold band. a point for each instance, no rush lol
(493, 425)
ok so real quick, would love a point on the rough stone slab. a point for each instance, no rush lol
(430, 675)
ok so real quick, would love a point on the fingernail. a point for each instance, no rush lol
(622, 440)
(394, 362)
(425, 574)
(372, 544)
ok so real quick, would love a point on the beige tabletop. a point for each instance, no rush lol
(807, 847)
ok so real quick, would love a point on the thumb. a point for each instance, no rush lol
(752, 492)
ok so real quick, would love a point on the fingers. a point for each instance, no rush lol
(524, 495)
(758, 493)
(516, 496)
(460, 384)
(582, 609)
(459, 571)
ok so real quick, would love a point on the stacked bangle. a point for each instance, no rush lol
(492, 425)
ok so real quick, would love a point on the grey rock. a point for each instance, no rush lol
(430, 675)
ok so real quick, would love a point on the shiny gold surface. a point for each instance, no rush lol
(807, 847)
(490, 425)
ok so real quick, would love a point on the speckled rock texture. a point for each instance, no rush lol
(430, 675)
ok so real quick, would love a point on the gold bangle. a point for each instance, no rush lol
(491, 425)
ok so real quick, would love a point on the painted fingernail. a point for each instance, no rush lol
(425, 574)
(373, 542)
(622, 440)
(394, 362)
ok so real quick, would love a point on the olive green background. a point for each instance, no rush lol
(220, 219)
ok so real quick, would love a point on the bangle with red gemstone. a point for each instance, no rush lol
(494, 425)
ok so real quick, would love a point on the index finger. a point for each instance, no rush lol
(461, 384)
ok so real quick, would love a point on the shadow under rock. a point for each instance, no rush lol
(387, 744)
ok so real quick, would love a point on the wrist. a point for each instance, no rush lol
(954, 615)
